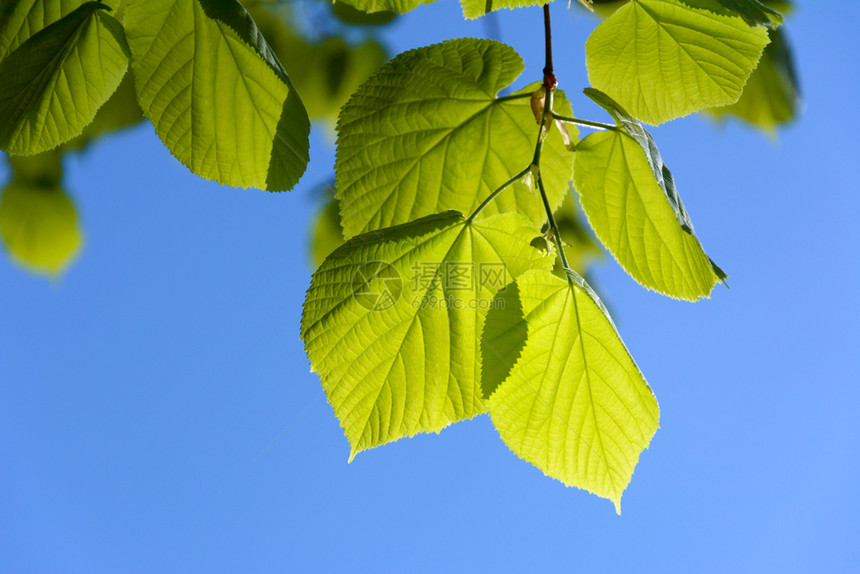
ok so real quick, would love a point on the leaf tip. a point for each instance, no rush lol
(722, 276)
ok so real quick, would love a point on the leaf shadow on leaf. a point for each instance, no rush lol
(38, 72)
(234, 15)
(289, 157)
(412, 231)
(752, 12)
(115, 29)
(503, 338)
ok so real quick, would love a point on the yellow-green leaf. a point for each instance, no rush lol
(631, 201)
(477, 8)
(397, 6)
(20, 19)
(772, 95)
(393, 318)
(753, 12)
(55, 82)
(662, 59)
(574, 403)
(428, 133)
(217, 95)
(119, 112)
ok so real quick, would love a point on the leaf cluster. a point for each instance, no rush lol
(452, 257)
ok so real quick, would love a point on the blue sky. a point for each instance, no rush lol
(140, 395)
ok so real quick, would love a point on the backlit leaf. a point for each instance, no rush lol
(662, 59)
(606, 8)
(325, 72)
(393, 318)
(55, 82)
(428, 133)
(355, 17)
(397, 6)
(630, 198)
(20, 19)
(476, 8)
(217, 95)
(120, 111)
(772, 95)
(754, 12)
(574, 403)
(471, 8)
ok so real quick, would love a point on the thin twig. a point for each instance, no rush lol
(549, 79)
(550, 82)
(586, 123)
(495, 193)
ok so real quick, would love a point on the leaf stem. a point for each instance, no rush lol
(549, 80)
(586, 123)
(495, 193)
(550, 218)
(554, 226)
(549, 83)
(512, 97)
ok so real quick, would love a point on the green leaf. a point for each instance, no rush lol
(55, 82)
(630, 198)
(38, 222)
(427, 133)
(217, 95)
(574, 403)
(476, 8)
(393, 318)
(355, 17)
(784, 7)
(754, 12)
(471, 8)
(606, 8)
(397, 6)
(120, 111)
(325, 72)
(20, 19)
(772, 95)
(662, 59)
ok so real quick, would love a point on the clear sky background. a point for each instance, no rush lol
(140, 393)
